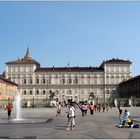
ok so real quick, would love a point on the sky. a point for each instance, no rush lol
(79, 33)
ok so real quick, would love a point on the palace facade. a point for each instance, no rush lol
(67, 83)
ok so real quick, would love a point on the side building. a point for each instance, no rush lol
(67, 83)
(8, 90)
(130, 88)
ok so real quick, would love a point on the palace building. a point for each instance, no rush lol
(67, 83)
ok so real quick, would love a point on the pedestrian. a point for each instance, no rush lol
(126, 114)
(59, 109)
(91, 108)
(84, 108)
(9, 109)
(95, 107)
(71, 117)
(120, 110)
(107, 107)
(103, 106)
(99, 107)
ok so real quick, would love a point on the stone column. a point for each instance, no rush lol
(130, 102)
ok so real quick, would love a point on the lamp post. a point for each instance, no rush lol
(33, 102)
(46, 100)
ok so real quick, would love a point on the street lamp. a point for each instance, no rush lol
(33, 102)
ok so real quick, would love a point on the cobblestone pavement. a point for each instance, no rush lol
(43, 124)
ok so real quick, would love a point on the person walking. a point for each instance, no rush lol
(84, 108)
(91, 108)
(103, 106)
(59, 109)
(9, 109)
(120, 110)
(71, 117)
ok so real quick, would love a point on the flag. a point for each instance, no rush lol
(68, 64)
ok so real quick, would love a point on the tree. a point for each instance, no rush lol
(91, 95)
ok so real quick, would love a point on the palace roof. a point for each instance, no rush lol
(116, 61)
(69, 69)
(26, 60)
(23, 61)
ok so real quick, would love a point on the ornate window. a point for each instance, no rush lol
(76, 80)
(31, 81)
(37, 81)
(44, 92)
(24, 92)
(63, 81)
(37, 92)
(31, 92)
(49, 80)
(44, 81)
(24, 81)
(69, 81)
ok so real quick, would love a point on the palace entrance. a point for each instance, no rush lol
(69, 99)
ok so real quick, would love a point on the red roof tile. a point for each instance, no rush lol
(23, 61)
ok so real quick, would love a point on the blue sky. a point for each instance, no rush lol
(81, 33)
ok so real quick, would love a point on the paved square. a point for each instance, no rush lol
(42, 123)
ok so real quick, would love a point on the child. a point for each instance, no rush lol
(121, 122)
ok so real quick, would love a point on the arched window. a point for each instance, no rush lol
(30, 81)
(24, 92)
(76, 80)
(69, 81)
(112, 79)
(107, 79)
(117, 79)
(37, 92)
(44, 81)
(24, 81)
(44, 92)
(37, 81)
(31, 92)
(63, 81)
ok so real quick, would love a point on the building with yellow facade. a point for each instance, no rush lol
(7, 89)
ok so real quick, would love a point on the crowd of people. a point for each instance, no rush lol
(125, 119)
(84, 107)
